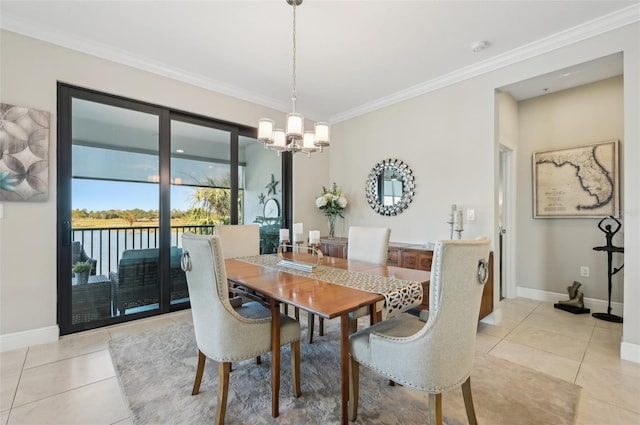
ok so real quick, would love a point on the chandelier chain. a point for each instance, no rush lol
(293, 82)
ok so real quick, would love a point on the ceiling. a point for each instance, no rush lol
(352, 56)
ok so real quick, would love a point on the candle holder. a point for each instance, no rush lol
(450, 223)
(299, 265)
(315, 249)
(459, 232)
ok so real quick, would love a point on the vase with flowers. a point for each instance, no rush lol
(332, 203)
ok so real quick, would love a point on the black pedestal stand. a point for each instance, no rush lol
(609, 249)
(608, 317)
(572, 309)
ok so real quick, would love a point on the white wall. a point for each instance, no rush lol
(448, 136)
(587, 114)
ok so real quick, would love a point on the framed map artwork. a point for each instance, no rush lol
(577, 182)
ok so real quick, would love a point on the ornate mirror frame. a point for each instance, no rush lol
(373, 189)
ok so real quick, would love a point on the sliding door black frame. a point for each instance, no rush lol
(68, 92)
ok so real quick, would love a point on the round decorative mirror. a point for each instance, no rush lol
(390, 187)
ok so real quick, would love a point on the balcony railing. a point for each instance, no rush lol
(106, 244)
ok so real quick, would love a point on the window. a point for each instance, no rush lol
(133, 177)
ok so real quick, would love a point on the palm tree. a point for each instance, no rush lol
(211, 203)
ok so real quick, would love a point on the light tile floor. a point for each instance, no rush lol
(72, 381)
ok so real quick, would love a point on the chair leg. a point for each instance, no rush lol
(258, 360)
(311, 321)
(468, 402)
(223, 390)
(196, 385)
(295, 368)
(353, 326)
(435, 409)
(321, 330)
(354, 384)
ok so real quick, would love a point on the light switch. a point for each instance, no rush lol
(471, 215)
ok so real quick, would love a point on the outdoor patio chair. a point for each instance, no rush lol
(136, 283)
(78, 254)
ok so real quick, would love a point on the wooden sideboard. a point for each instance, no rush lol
(411, 256)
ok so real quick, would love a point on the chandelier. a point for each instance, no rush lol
(294, 139)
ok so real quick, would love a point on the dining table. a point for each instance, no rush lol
(333, 288)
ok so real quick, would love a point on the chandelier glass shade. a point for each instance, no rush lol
(293, 138)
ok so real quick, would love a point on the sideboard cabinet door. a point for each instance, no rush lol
(336, 248)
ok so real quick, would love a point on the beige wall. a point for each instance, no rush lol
(504, 193)
(448, 136)
(445, 139)
(28, 75)
(588, 114)
(507, 120)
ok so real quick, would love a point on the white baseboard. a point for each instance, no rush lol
(594, 304)
(493, 318)
(630, 352)
(23, 339)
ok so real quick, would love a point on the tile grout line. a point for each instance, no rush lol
(15, 393)
(584, 353)
(63, 392)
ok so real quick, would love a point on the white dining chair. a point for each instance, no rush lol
(239, 240)
(223, 333)
(438, 355)
(368, 244)
(371, 245)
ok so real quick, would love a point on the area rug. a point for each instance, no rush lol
(156, 371)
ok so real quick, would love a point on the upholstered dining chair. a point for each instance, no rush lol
(239, 240)
(435, 356)
(368, 244)
(223, 333)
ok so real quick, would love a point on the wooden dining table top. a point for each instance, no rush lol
(307, 292)
(327, 300)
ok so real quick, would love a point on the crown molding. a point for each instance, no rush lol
(63, 39)
(581, 32)
(612, 21)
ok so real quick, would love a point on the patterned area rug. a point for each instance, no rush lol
(156, 370)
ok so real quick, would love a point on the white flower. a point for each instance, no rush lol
(321, 202)
(331, 202)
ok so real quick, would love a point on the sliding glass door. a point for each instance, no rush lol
(134, 177)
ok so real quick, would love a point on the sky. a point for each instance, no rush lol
(96, 195)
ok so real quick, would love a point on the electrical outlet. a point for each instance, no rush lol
(584, 271)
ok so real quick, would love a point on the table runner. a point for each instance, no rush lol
(400, 295)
